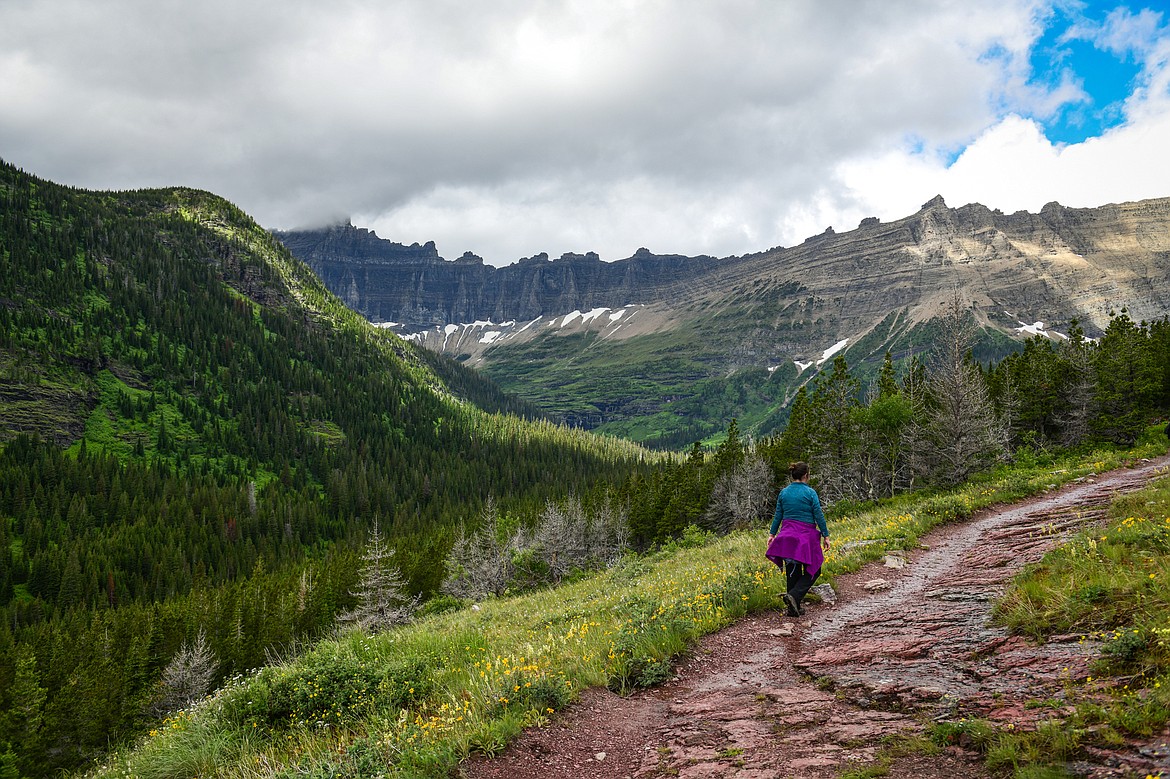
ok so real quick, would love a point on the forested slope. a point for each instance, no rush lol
(198, 435)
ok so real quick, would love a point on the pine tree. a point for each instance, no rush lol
(9, 765)
(1127, 381)
(26, 717)
(187, 678)
(835, 438)
(382, 598)
(883, 459)
(1077, 402)
(797, 440)
(887, 382)
(480, 563)
(962, 434)
(730, 454)
(687, 494)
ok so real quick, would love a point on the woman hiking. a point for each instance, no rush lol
(797, 547)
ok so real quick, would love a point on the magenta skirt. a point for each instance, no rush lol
(797, 541)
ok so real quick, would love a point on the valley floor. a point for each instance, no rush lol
(824, 695)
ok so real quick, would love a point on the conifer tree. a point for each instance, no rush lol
(686, 495)
(9, 763)
(883, 458)
(1077, 402)
(835, 437)
(187, 678)
(962, 434)
(887, 383)
(1127, 380)
(25, 718)
(730, 454)
(382, 598)
(796, 441)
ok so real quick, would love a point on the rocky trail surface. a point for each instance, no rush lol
(906, 642)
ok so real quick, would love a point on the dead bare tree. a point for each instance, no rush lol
(962, 434)
(562, 537)
(480, 563)
(568, 538)
(742, 498)
(610, 536)
(382, 597)
(187, 678)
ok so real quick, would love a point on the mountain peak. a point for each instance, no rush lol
(935, 202)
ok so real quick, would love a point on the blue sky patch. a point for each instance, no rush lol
(1106, 77)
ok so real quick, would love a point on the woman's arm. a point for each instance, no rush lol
(778, 515)
(818, 515)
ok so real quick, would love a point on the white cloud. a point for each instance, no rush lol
(1012, 166)
(523, 126)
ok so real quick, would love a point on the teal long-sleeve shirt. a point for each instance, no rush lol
(799, 502)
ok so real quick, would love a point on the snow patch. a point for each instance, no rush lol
(490, 336)
(616, 315)
(800, 366)
(570, 317)
(586, 318)
(530, 324)
(447, 331)
(1037, 328)
(825, 355)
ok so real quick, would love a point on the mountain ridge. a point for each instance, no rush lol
(935, 235)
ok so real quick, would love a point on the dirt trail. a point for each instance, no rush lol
(774, 697)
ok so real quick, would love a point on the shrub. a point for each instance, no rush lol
(328, 689)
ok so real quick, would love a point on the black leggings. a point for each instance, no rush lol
(798, 579)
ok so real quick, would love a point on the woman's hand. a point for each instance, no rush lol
(771, 538)
(825, 543)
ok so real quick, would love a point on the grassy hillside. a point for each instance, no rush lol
(416, 701)
(198, 436)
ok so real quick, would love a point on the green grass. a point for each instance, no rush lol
(417, 700)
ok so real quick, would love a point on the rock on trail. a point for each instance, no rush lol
(773, 697)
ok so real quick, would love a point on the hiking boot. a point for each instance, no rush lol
(790, 602)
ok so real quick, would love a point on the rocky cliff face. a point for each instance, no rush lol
(413, 285)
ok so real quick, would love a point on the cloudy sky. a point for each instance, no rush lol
(513, 127)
